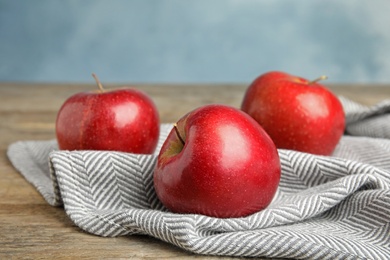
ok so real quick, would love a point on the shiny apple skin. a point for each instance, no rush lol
(297, 115)
(228, 166)
(123, 120)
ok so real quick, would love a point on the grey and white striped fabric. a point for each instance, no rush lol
(327, 207)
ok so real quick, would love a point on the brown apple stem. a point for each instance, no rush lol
(98, 82)
(323, 77)
(178, 134)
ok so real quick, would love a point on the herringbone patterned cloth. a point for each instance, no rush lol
(335, 207)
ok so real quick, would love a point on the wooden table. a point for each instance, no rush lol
(30, 228)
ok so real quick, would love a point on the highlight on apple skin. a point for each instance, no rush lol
(217, 161)
(298, 114)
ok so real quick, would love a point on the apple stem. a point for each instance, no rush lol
(178, 134)
(323, 77)
(98, 82)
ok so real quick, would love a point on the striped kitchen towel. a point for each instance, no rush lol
(326, 207)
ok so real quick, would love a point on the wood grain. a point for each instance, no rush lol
(30, 228)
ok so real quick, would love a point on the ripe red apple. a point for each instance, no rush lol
(217, 161)
(298, 114)
(124, 120)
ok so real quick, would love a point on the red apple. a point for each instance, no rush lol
(298, 114)
(217, 161)
(124, 120)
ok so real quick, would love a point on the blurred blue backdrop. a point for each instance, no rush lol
(198, 41)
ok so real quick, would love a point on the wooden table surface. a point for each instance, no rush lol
(30, 228)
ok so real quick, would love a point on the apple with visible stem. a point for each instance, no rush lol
(217, 161)
(124, 119)
(298, 114)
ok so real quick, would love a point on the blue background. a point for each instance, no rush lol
(202, 41)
